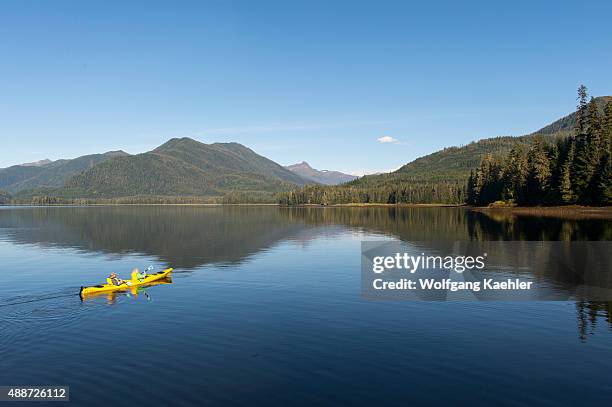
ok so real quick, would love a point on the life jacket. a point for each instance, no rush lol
(138, 276)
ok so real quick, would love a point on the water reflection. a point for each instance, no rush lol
(507, 226)
(188, 237)
(588, 313)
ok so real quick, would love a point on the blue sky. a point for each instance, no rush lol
(315, 81)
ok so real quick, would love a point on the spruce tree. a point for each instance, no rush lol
(479, 181)
(583, 165)
(602, 181)
(594, 151)
(566, 190)
(471, 197)
(554, 161)
(606, 128)
(538, 172)
(514, 175)
(581, 110)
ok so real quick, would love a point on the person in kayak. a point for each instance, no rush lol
(138, 275)
(115, 280)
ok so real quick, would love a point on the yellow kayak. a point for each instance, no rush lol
(134, 291)
(134, 282)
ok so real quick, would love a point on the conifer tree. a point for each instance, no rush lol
(594, 152)
(479, 181)
(606, 128)
(601, 184)
(566, 190)
(581, 110)
(556, 167)
(583, 165)
(514, 175)
(602, 181)
(471, 198)
(538, 172)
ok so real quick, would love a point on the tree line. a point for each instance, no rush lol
(572, 170)
(232, 198)
(402, 192)
(5, 198)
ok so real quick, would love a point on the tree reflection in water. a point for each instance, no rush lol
(188, 237)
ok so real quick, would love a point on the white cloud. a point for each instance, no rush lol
(387, 139)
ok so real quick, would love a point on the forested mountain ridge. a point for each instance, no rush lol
(455, 163)
(182, 167)
(439, 177)
(38, 163)
(52, 174)
(575, 169)
(568, 123)
(226, 157)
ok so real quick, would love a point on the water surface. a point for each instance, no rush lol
(264, 307)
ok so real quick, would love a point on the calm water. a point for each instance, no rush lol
(265, 308)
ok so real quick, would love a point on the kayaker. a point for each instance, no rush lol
(138, 275)
(115, 280)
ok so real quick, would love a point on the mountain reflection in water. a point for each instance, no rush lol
(265, 304)
(188, 237)
(191, 236)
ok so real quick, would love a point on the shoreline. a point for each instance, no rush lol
(367, 205)
(500, 209)
(568, 212)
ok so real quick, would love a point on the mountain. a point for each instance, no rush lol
(455, 163)
(182, 167)
(440, 177)
(188, 168)
(325, 177)
(38, 163)
(567, 123)
(51, 174)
